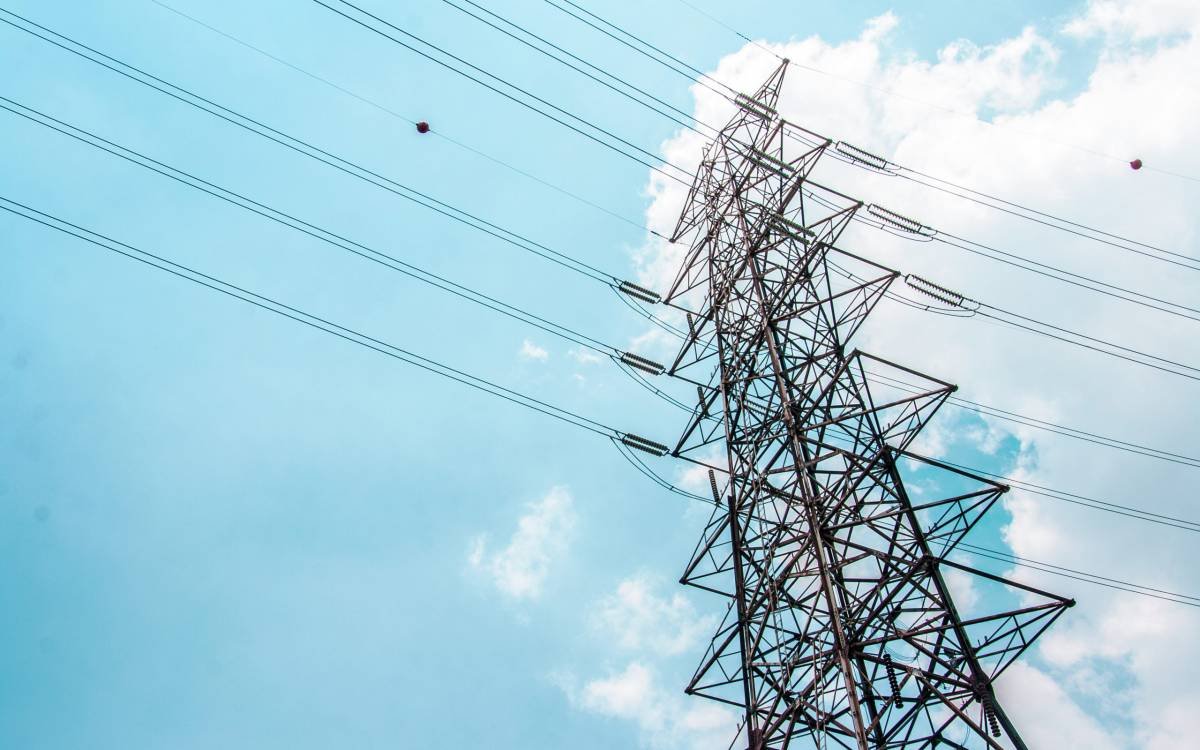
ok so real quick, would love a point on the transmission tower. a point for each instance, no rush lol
(840, 630)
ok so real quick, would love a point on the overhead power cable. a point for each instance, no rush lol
(671, 62)
(580, 125)
(311, 151)
(205, 109)
(324, 235)
(1012, 259)
(1074, 498)
(907, 227)
(1078, 575)
(1041, 424)
(667, 60)
(1051, 331)
(438, 132)
(593, 72)
(313, 321)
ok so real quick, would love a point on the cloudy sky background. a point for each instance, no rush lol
(220, 529)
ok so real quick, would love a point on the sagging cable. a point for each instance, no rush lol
(755, 107)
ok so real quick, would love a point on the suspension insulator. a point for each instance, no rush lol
(643, 444)
(893, 683)
(641, 292)
(940, 293)
(854, 153)
(712, 482)
(791, 228)
(899, 221)
(703, 401)
(770, 163)
(643, 364)
(755, 107)
(989, 712)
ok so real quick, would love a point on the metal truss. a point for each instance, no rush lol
(841, 630)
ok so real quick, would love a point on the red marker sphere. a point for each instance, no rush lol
(423, 127)
(1136, 164)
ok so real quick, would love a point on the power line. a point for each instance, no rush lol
(671, 62)
(190, 102)
(324, 235)
(600, 76)
(984, 250)
(436, 132)
(1041, 424)
(316, 153)
(676, 64)
(508, 95)
(1096, 580)
(1083, 500)
(305, 318)
(1046, 219)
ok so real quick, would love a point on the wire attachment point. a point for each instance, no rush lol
(644, 444)
(640, 292)
(940, 293)
(643, 364)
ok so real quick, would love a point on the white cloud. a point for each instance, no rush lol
(665, 719)
(1140, 100)
(585, 356)
(636, 617)
(530, 350)
(520, 569)
(1138, 19)
(1051, 718)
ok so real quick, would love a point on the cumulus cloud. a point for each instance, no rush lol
(639, 620)
(637, 617)
(664, 718)
(519, 570)
(585, 356)
(1067, 155)
(530, 350)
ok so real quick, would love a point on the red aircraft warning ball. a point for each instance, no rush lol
(1136, 164)
(423, 127)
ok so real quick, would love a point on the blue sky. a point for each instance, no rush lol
(218, 528)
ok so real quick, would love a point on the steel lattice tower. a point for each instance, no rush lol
(841, 631)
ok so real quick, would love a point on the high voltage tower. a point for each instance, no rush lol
(841, 630)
